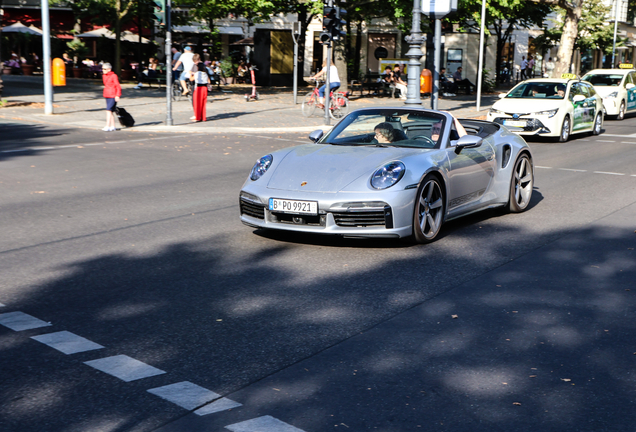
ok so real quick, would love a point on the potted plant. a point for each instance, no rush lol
(79, 51)
(229, 69)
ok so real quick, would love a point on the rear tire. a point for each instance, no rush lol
(429, 210)
(339, 107)
(598, 124)
(309, 104)
(521, 184)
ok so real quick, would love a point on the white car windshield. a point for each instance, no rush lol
(538, 90)
(389, 128)
(606, 80)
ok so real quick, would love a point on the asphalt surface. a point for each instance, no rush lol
(132, 240)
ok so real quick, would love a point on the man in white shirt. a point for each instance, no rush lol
(524, 66)
(188, 64)
(334, 81)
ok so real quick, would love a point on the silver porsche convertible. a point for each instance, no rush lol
(389, 172)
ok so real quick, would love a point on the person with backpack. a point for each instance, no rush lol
(112, 93)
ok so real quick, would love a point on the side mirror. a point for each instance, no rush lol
(467, 141)
(502, 95)
(578, 98)
(630, 86)
(316, 135)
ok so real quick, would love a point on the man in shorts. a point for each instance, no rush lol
(188, 63)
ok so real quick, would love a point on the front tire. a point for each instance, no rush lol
(621, 111)
(521, 185)
(598, 124)
(309, 104)
(429, 209)
(566, 128)
(339, 107)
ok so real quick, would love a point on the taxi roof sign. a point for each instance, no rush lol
(569, 76)
(626, 66)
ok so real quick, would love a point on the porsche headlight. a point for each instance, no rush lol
(388, 175)
(549, 113)
(611, 95)
(495, 111)
(261, 166)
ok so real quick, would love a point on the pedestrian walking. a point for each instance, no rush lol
(530, 68)
(523, 67)
(112, 93)
(200, 97)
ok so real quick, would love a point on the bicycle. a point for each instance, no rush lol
(177, 90)
(338, 103)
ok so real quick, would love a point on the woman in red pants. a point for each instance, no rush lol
(200, 97)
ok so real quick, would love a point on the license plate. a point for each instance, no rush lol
(293, 206)
(515, 123)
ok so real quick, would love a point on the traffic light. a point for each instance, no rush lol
(328, 20)
(160, 11)
(337, 24)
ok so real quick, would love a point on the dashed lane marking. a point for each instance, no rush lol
(609, 173)
(125, 368)
(222, 404)
(542, 167)
(572, 169)
(608, 141)
(185, 394)
(67, 342)
(628, 142)
(263, 424)
(19, 321)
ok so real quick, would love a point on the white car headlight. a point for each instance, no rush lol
(261, 166)
(611, 95)
(549, 113)
(388, 175)
(495, 111)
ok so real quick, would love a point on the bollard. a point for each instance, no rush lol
(58, 72)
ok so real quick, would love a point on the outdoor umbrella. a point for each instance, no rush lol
(125, 35)
(21, 28)
(244, 42)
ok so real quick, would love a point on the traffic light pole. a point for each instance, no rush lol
(169, 121)
(327, 84)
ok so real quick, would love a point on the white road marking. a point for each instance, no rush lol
(125, 368)
(222, 404)
(262, 424)
(67, 342)
(609, 173)
(571, 169)
(185, 394)
(537, 166)
(605, 141)
(19, 321)
(627, 142)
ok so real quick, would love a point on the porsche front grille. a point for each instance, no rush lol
(363, 219)
(249, 208)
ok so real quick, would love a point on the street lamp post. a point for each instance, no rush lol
(414, 54)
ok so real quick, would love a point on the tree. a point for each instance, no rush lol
(503, 16)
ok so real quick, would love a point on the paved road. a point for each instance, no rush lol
(135, 245)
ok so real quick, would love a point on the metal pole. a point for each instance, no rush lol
(327, 83)
(46, 58)
(414, 54)
(615, 29)
(481, 53)
(168, 63)
(296, 35)
(438, 62)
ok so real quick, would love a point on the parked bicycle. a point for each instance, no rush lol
(338, 102)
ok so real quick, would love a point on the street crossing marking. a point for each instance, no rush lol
(19, 321)
(222, 404)
(185, 394)
(263, 424)
(125, 368)
(67, 342)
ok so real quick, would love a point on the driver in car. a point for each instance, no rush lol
(384, 133)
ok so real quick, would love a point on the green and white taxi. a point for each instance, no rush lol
(552, 107)
(617, 87)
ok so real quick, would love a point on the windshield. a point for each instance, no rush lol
(608, 80)
(388, 128)
(538, 90)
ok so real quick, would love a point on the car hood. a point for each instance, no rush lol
(603, 91)
(331, 168)
(527, 105)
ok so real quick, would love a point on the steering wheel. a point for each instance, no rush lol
(425, 138)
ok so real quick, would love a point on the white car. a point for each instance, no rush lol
(552, 107)
(617, 87)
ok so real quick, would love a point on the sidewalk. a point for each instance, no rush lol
(80, 104)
